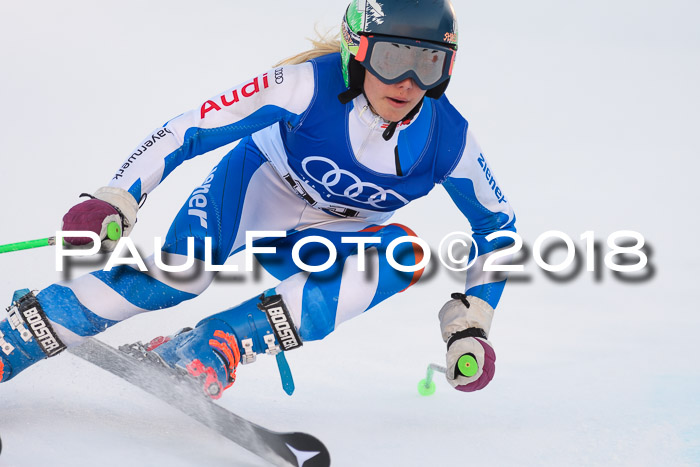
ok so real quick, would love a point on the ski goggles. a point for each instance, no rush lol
(393, 59)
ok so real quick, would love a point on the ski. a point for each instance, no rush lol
(283, 449)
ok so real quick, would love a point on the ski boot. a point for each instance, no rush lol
(212, 351)
(26, 336)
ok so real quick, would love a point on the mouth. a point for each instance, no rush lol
(397, 102)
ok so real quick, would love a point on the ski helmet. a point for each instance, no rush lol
(408, 21)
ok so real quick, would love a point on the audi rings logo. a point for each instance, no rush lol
(279, 75)
(345, 184)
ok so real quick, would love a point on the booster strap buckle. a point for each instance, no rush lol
(249, 355)
(6, 347)
(272, 348)
(17, 323)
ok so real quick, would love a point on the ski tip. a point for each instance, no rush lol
(306, 450)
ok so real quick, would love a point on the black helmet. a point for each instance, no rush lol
(422, 21)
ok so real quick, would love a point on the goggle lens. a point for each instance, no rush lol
(391, 60)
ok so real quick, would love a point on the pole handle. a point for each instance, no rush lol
(467, 365)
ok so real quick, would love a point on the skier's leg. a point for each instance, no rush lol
(303, 307)
(75, 309)
(319, 302)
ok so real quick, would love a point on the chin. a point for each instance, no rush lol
(393, 115)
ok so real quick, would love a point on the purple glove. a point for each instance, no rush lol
(482, 351)
(465, 322)
(94, 215)
(108, 205)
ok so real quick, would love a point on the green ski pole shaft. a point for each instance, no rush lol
(50, 241)
(114, 232)
(433, 367)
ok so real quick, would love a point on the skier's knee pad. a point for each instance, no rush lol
(408, 254)
(26, 336)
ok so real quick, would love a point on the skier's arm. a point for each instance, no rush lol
(279, 95)
(476, 192)
(465, 320)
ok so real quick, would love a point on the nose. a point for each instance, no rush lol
(407, 84)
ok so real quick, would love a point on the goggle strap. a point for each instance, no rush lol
(362, 52)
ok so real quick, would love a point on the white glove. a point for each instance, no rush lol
(465, 322)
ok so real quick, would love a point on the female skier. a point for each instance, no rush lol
(331, 145)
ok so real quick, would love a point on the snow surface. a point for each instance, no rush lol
(588, 113)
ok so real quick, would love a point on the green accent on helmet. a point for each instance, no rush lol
(349, 41)
(345, 59)
(355, 16)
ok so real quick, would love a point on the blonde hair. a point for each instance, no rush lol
(324, 44)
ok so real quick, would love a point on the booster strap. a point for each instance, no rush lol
(285, 333)
(280, 321)
(32, 314)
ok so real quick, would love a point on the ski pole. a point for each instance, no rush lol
(466, 365)
(114, 232)
(28, 244)
(426, 387)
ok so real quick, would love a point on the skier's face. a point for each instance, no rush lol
(392, 101)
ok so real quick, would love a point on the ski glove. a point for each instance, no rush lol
(465, 322)
(107, 205)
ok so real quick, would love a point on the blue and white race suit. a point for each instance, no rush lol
(306, 165)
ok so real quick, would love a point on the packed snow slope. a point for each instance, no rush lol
(587, 112)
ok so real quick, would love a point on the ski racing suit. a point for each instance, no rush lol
(307, 165)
